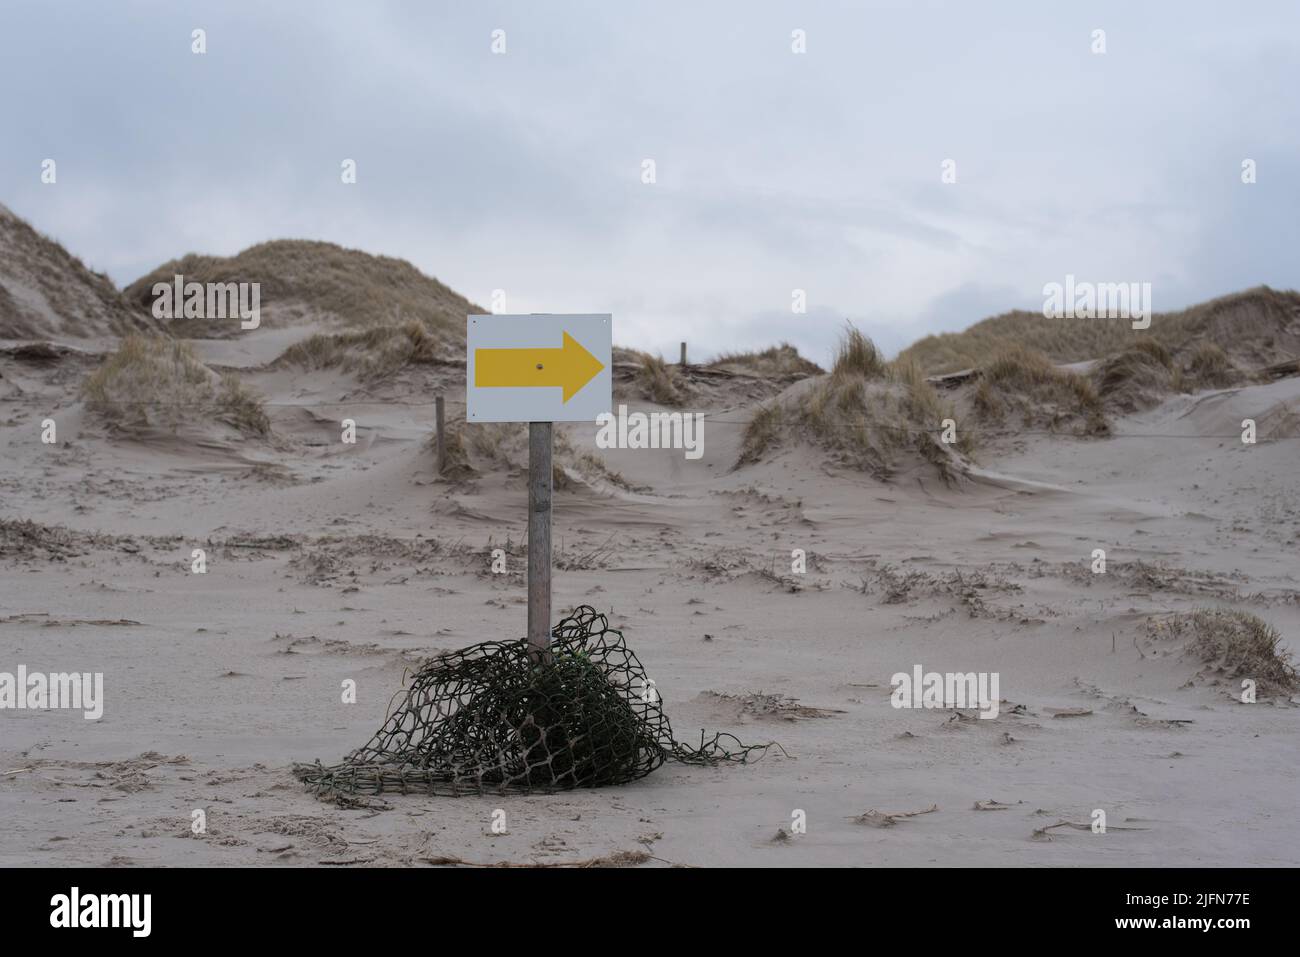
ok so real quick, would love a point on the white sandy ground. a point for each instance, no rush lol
(222, 680)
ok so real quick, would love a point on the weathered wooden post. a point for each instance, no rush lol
(539, 540)
(442, 434)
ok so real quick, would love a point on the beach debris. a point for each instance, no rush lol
(493, 718)
(762, 705)
(617, 859)
(874, 818)
(1069, 712)
(45, 621)
(1041, 833)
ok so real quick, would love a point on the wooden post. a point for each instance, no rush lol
(683, 355)
(539, 541)
(442, 435)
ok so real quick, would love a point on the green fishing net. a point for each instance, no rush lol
(494, 718)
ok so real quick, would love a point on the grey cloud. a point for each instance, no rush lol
(775, 170)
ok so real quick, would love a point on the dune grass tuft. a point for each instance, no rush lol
(778, 361)
(868, 413)
(1137, 378)
(660, 382)
(1210, 368)
(373, 353)
(857, 355)
(154, 381)
(475, 448)
(240, 407)
(762, 433)
(1024, 383)
(1238, 645)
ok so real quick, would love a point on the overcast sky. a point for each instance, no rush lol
(775, 171)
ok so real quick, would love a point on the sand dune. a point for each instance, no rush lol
(328, 562)
(47, 293)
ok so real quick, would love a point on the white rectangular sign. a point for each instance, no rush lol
(538, 368)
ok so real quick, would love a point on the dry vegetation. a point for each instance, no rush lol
(660, 382)
(302, 279)
(475, 448)
(1023, 387)
(729, 378)
(376, 352)
(867, 412)
(1137, 377)
(1234, 644)
(156, 382)
(1210, 368)
(1255, 327)
(639, 375)
(779, 361)
(1024, 384)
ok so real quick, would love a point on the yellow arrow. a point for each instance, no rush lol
(569, 367)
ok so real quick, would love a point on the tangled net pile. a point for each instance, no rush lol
(490, 718)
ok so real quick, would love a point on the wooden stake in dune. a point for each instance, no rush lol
(538, 369)
(441, 420)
